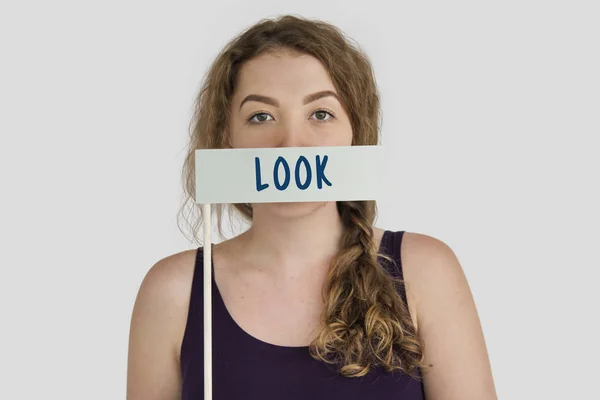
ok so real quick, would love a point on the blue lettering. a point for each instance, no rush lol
(321, 172)
(259, 185)
(286, 182)
(303, 160)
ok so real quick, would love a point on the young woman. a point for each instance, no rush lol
(312, 301)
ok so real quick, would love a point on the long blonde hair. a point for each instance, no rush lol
(366, 323)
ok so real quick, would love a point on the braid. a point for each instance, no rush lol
(366, 323)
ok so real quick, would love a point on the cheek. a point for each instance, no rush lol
(248, 138)
(242, 137)
(343, 135)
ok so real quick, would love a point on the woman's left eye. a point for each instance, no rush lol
(323, 116)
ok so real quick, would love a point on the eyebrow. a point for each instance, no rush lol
(308, 99)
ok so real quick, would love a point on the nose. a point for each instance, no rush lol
(292, 135)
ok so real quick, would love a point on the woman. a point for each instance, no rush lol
(312, 301)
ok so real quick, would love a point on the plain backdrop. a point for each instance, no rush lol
(491, 118)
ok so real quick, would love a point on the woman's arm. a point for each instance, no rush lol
(448, 322)
(157, 324)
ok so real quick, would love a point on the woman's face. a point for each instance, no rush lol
(287, 99)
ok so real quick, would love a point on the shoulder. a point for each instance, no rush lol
(175, 266)
(164, 294)
(427, 265)
(432, 272)
(429, 258)
(169, 279)
(448, 321)
(158, 322)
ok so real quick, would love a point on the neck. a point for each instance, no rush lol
(290, 245)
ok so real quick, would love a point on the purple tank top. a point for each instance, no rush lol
(247, 368)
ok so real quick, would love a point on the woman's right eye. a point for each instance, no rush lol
(259, 118)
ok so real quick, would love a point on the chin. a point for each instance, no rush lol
(290, 209)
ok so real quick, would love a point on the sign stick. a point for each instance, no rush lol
(207, 303)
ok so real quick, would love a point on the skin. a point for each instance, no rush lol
(277, 267)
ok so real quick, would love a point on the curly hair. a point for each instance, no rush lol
(366, 324)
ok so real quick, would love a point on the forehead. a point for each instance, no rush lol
(283, 73)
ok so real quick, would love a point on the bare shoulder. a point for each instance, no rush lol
(432, 271)
(170, 277)
(418, 254)
(169, 284)
(429, 261)
(157, 325)
(448, 321)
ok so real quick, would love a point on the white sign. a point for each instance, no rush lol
(289, 174)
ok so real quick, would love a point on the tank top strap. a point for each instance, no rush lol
(391, 244)
(197, 294)
(191, 346)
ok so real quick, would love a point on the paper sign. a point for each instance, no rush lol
(289, 174)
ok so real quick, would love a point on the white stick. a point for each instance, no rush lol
(207, 303)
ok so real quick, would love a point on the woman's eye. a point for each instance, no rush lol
(319, 115)
(259, 117)
(322, 115)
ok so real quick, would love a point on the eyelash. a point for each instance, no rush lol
(332, 115)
